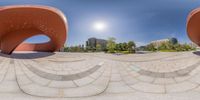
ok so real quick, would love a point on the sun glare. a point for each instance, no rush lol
(99, 26)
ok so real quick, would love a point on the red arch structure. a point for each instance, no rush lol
(17, 23)
(193, 26)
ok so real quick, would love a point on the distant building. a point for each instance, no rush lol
(158, 43)
(61, 49)
(193, 45)
(93, 42)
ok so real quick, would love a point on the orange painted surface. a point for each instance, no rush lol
(17, 23)
(193, 26)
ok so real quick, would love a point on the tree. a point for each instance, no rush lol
(124, 46)
(187, 47)
(163, 46)
(170, 45)
(88, 48)
(120, 47)
(151, 47)
(66, 49)
(111, 45)
(117, 47)
(98, 47)
(173, 41)
(131, 47)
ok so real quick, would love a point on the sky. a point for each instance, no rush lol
(140, 21)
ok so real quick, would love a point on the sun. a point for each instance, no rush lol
(99, 26)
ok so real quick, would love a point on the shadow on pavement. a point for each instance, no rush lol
(196, 53)
(29, 55)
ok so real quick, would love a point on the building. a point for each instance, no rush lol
(193, 45)
(158, 43)
(62, 49)
(92, 43)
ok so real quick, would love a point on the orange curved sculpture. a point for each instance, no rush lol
(193, 26)
(17, 23)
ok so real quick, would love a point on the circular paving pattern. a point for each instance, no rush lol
(91, 74)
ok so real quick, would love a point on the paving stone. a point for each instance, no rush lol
(23, 80)
(90, 90)
(62, 84)
(123, 73)
(95, 74)
(40, 80)
(151, 73)
(134, 74)
(9, 87)
(116, 77)
(36, 90)
(195, 79)
(27, 71)
(84, 81)
(10, 76)
(181, 79)
(130, 80)
(146, 78)
(147, 87)
(164, 81)
(118, 87)
(180, 87)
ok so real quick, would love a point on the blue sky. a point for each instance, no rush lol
(139, 20)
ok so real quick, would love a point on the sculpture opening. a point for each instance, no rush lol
(17, 23)
(37, 39)
(35, 45)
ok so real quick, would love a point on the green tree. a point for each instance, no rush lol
(98, 47)
(117, 47)
(163, 46)
(111, 45)
(150, 47)
(120, 47)
(88, 48)
(187, 47)
(170, 45)
(131, 47)
(66, 49)
(124, 46)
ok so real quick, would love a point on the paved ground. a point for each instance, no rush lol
(99, 76)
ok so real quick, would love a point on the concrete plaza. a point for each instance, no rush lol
(99, 76)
